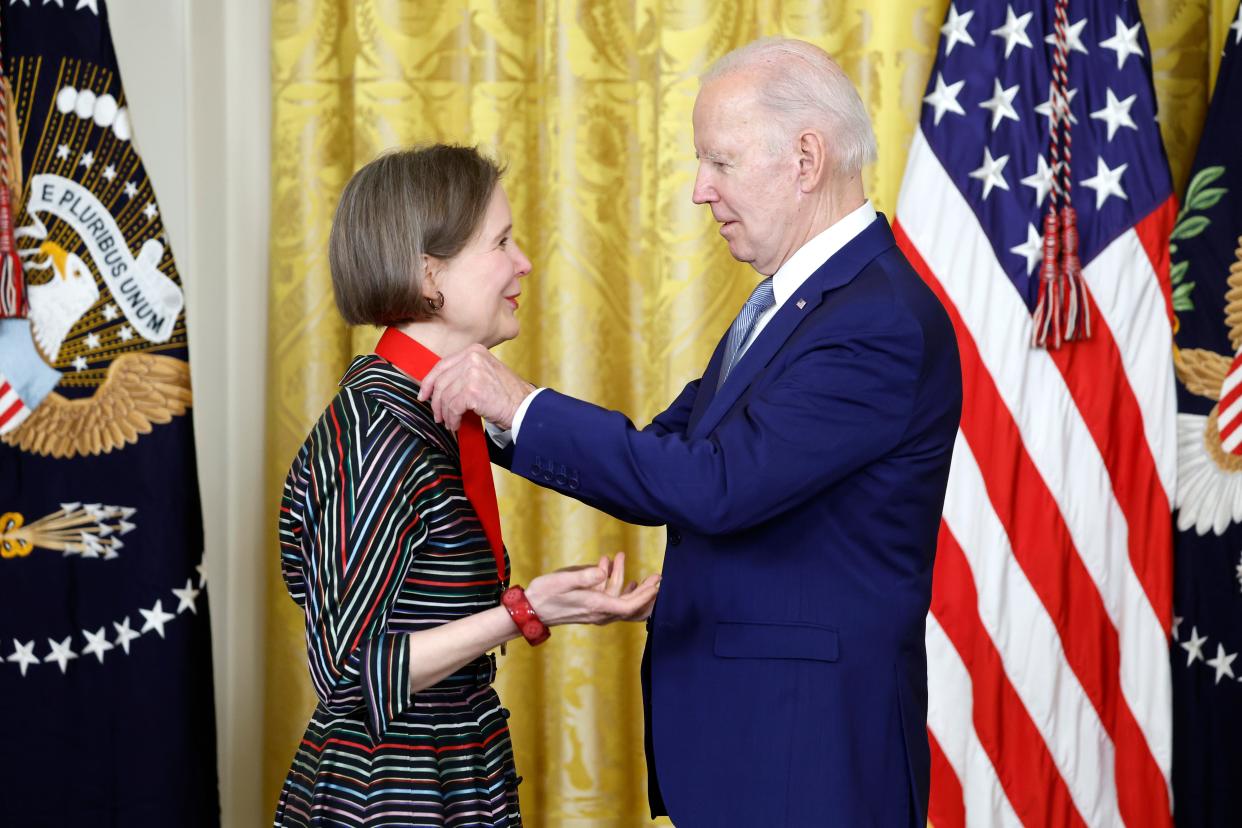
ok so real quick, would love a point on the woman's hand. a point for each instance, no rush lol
(575, 595)
(616, 586)
(592, 594)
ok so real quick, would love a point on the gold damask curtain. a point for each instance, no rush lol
(589, 104)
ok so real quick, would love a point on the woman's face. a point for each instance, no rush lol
(480, 284)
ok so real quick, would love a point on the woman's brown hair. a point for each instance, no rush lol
(401, 206)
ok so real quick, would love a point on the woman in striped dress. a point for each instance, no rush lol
(389, 536)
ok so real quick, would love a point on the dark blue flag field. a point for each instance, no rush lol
(106, 711)
(1207, 631)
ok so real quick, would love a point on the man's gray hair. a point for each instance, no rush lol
(802, 87)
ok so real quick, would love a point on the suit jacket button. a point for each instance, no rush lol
(560, 480)
(674, 537)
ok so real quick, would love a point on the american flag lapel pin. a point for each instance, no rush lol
(801, 304)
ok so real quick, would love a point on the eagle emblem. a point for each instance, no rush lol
(104, 322)
(1209, 487)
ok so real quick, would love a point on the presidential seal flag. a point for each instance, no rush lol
(1206, 251)
(105, 663)
(1037, 203)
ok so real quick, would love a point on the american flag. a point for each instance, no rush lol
(1048, 637)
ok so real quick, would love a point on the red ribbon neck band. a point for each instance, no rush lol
(476, 466)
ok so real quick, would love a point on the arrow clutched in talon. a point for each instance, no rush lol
(74, 529)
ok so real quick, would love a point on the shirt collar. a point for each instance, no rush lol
(818, 250)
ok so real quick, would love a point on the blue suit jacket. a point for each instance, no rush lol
(788, 676)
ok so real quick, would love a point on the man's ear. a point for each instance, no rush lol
(814, 162)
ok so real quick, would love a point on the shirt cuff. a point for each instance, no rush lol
(521, 413)
(385, 681)
(502, 437)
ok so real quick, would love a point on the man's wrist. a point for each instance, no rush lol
(502, 437)
(520, 414)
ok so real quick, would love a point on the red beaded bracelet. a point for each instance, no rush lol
(523, 614)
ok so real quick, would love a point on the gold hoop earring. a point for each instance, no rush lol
(437, 303)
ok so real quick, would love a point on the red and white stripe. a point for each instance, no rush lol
(1049, 686)
(1229, 420)
(12, 410)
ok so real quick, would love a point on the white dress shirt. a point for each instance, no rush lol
(785, 282)
(799, 267)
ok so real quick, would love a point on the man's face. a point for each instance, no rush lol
(752, 192)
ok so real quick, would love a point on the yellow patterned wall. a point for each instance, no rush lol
(589, 104)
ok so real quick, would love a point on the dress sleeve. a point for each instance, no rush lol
(361, 527)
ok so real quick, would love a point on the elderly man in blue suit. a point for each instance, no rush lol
(801, 478)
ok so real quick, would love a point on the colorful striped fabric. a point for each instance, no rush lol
(378, 541)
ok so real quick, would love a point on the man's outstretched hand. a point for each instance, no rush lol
(474, 380)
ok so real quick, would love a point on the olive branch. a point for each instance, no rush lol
(1199, 196)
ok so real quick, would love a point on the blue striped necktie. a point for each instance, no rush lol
(760, 300)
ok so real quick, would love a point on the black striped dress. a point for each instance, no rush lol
(378, 541)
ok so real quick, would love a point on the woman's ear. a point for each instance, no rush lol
(431, 275)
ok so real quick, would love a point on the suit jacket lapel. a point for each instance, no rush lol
(838, 270)
(707, 385)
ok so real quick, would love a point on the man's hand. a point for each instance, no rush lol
(474, 380)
